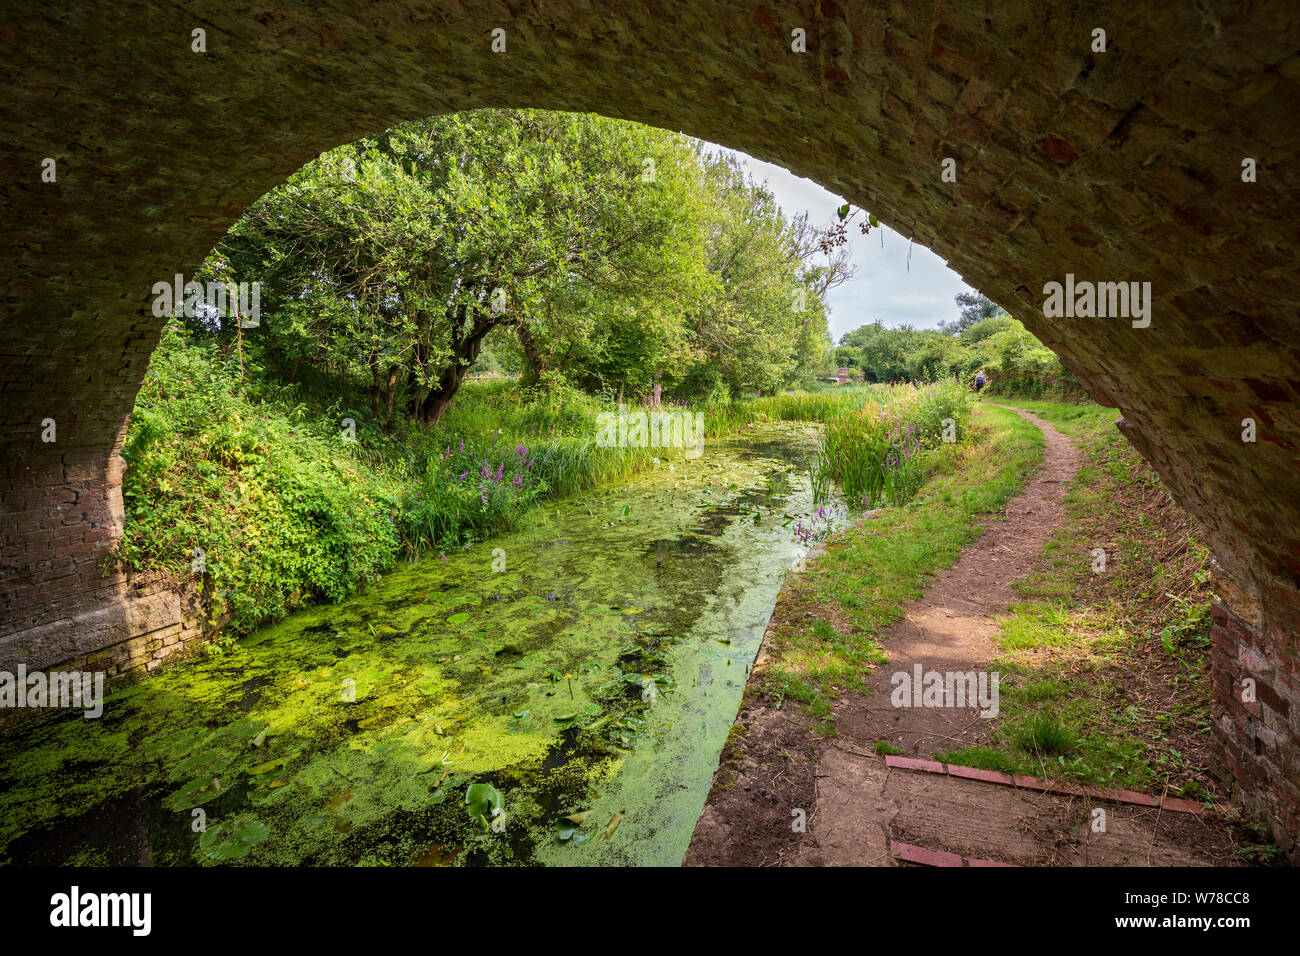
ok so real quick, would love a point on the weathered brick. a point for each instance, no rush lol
(1124, 165)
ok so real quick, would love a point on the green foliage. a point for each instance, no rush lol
(762, 323)
(1013, 360)
(533, 241)
(976, 308)
(388, 262)
(879, 451)
(275, 505)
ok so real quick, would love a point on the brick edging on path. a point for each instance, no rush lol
(1176, 804)
(910, 853)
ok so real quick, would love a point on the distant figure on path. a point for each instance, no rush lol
(980, 381)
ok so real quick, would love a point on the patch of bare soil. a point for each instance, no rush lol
(767, 771)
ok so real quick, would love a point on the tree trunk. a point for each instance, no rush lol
(532, 355)
(376, 389)
(393, 371)
(439, 398)
(465, 352)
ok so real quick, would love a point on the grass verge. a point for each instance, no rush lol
(1104, 662)
(822, 640)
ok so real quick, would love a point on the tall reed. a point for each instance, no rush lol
(876, 452)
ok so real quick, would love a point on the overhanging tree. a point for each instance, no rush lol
(392, 259)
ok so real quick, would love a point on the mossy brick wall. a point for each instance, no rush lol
(160, 625)
(1123, 165)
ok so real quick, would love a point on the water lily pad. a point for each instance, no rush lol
(483, 802)
(205, 763)
(565, 829)
(233, 839)
(195, 793)
(458, 619)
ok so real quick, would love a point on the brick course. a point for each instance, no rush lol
(1115, 166)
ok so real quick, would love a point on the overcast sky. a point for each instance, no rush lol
(884, 287)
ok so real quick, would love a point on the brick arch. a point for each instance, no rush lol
(1115, 166)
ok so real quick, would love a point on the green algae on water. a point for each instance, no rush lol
(588, 677)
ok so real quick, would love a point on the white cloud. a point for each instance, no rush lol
(886, 286)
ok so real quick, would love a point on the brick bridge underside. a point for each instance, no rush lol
(1123, 165)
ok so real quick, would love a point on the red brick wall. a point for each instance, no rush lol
(1256, 685)
(1115, 166)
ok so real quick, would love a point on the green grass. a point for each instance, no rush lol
(1069, 418)
(1040, 624)
(258, 492)
(1048, 728)
(859, 585)
(1066, 711)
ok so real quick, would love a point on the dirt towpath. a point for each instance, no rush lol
(858, 809)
